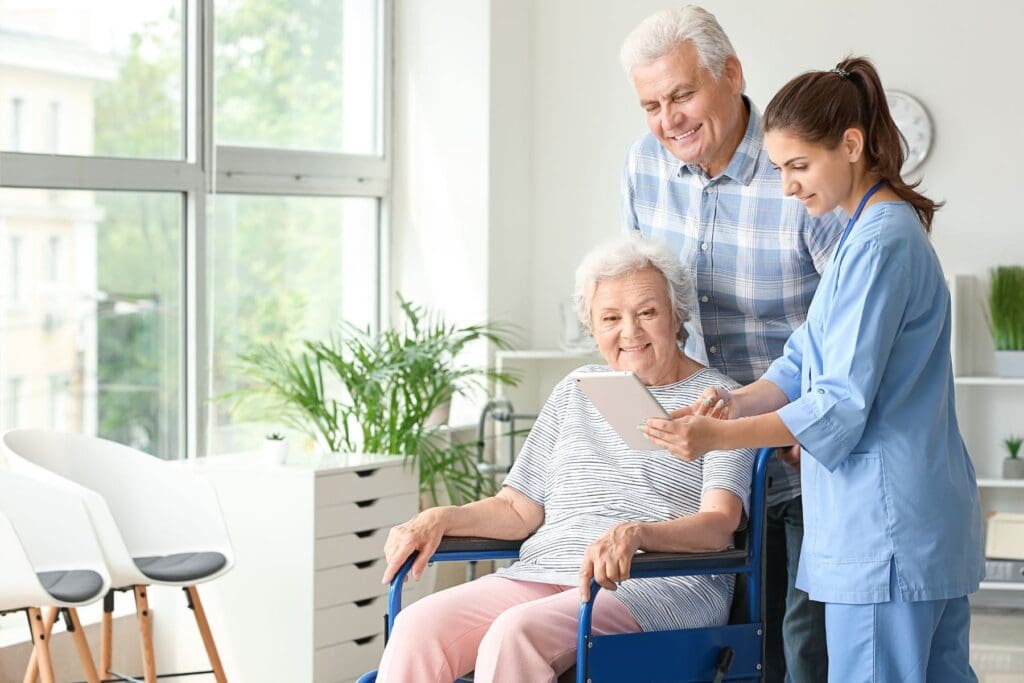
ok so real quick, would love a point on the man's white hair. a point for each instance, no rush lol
(627, 255)
(664, 31)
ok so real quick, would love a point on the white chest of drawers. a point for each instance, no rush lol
(304, 602)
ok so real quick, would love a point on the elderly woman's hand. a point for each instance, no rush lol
(686, 436)
(421, 534)
(715, 402)
(608, 559)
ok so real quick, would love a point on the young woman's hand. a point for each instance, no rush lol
(420, 534)
(608, 559)
(715, 402)
(686, 436)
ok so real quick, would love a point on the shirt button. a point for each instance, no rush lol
(703, 246)
(704, 299)
(709, 189)
(713, 349)
(821, 391)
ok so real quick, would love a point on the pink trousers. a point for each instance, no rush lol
(503, 629)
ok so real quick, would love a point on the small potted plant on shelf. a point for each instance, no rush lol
(1006, 307)
(1013, 467)
(275, 449)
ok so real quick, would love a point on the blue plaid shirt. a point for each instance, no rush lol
(756, 256)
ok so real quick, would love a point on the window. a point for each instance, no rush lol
(15, 269)
(53, 258)
(167, 270)
(12, 401)
(57, 403)
(53, 128)
(14, 140)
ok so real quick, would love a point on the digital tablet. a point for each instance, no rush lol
(624, 401)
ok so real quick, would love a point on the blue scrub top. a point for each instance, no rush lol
(885, 474)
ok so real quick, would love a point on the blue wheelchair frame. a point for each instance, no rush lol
(733, 652)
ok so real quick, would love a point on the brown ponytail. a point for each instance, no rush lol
(819, 106)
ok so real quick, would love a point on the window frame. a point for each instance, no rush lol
(206, 169)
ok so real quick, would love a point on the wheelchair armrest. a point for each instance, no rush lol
(647, 565)
(458, 548)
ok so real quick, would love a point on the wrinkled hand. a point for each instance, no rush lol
(420, 534)
(608, 559)
(715, 402)
(686, 436)
(790, 455)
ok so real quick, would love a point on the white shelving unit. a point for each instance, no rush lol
(989, 409)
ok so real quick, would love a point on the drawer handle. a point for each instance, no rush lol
(366, 503)
(366, 563)
(367, 639)
(365, 603)
(366, 534)
(366, 473)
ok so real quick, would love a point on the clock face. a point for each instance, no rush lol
(912, 120)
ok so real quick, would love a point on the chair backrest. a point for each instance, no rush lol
(152, 507)
(45, 528)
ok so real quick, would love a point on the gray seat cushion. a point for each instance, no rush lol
(77, 585)
(180, 567)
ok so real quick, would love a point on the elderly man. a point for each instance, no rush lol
(702, 181)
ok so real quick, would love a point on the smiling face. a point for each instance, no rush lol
(635, 327)
(821, 178)
(698, 118)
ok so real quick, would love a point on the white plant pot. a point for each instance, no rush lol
(275, 452)
(1010, 363)
(1013, 468)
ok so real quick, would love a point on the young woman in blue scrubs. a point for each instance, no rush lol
(892, 523)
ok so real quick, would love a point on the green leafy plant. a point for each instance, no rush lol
(1006, 307)
(378, 393)
(275, 436)
(1013, 444)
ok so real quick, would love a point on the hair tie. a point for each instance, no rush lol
(839, 72)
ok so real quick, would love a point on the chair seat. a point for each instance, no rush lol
(181, 566)
(76, 585)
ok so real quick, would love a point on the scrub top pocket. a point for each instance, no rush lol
(850, 512)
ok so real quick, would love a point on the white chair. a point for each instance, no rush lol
(49, 555)
(157, 523)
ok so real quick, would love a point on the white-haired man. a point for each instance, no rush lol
(702, 181)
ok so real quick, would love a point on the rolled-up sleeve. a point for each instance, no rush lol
(784, 372)
(862, 321)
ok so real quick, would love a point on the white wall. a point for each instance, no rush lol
(961, 62)
(529, 118)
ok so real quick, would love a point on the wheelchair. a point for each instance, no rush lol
(716, 654)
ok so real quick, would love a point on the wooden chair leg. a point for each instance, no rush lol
(82, 646)
(32, 671)
(41, 643)
(204, 631)
(106, 634)
(145, 634)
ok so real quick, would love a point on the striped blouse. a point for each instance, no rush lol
(576, 466)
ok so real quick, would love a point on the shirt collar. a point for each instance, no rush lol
(743, 164)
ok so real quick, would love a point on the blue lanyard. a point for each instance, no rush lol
(856, 214)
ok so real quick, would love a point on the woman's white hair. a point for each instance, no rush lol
(664, 31)
(627, 255)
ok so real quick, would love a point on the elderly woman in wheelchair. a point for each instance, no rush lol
(585, 503)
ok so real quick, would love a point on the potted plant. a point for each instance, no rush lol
(275, 449)
(378, 393)
(1006, 308)
(1013, 466)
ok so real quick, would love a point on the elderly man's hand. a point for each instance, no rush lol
(686, 436)
(608, 559)
(421, 534)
